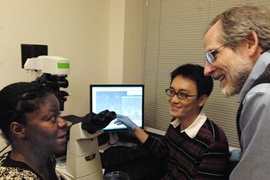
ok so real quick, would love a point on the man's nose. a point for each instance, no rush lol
(208, 69)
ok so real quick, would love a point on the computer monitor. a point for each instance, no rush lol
(124, 99)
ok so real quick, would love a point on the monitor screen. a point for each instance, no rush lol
(123, 99)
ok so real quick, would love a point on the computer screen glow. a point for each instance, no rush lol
(127, 100)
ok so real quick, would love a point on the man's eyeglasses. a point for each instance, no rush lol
(211, 55)
(180, 95)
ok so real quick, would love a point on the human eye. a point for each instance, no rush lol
(213, 53)
(182, 95)
(53, 117)
(171, 92)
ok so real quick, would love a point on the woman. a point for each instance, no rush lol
(30, 121)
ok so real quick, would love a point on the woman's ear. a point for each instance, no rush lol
(17, 130)
(203, 99)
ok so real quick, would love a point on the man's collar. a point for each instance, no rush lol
(193, 129)
(257, 69)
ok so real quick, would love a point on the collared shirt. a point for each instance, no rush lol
(204, 155)
(254, 124)
(258, 68)
(193, 129)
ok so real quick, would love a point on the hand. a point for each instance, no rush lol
(126, 121)
(235, 155)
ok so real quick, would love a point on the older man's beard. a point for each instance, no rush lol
(237, 77)
(233, 87)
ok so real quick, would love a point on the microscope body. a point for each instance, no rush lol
(55, 70)
(83, 158)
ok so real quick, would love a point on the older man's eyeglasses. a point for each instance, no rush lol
(180, 95)
(211, 55)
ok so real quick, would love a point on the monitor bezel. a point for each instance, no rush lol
(118, 85)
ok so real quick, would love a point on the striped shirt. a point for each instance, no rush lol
(203, 156)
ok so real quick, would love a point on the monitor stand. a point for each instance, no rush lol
(114, 142)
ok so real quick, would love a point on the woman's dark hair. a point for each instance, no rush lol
(195, 73)
(18, 99)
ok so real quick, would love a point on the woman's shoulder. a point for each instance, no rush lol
(11, 171)
(16, 173)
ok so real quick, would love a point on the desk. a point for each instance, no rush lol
(149, 168)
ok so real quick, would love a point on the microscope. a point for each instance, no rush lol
(34, 57)
(82, 157)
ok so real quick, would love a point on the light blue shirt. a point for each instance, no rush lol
(255, 127)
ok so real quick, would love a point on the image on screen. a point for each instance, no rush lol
(127, 100)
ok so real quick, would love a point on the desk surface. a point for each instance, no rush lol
(149, 168)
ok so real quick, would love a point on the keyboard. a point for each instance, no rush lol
(120, 154)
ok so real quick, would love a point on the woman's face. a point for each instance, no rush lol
(184, 108)
(45, 129)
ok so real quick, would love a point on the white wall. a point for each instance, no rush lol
(101, 38)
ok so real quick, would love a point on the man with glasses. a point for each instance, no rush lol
(196, 148)
(241, 66)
